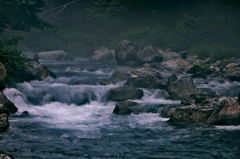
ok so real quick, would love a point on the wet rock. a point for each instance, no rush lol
(147, 78)
(4, 155)
(173, 65)
(122, 74)
(183, 54)
(3, 74)
(198, 71)
(39, 71)
(126, 51)
(53, 55)
(130, 107)
(205, 110)
(232, 71)
(168, 55)
(149, 55)
(4, 124)
(124, 93)
(7, 104)
(102, 54)
(181, 88)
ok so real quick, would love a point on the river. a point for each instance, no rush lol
(70, 118)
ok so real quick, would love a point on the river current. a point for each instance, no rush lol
(70, 118)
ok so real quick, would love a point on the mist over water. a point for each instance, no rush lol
(67, 119)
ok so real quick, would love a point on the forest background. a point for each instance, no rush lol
(207, 28)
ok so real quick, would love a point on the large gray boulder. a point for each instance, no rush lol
(7, 104)
(181, 87)
(3, 74)
(131, 107)
(124, 93)
(146, 78)
(149, 55)
(204, 110)
(39, 71)
(53, 55)
(102, 54)
(126, 51)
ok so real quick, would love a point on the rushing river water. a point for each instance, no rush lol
(66, 120)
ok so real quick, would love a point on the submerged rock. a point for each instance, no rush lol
(124, 93)
(205, 110)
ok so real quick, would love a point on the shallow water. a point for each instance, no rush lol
(73, 121)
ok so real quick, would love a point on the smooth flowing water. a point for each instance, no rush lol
(70, 118)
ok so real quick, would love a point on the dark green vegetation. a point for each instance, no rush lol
(17, 15)
(208, 28)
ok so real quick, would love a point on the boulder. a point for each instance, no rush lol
(199, 71)
(232, 71)
(172, 65)
(204, 110)
(7, 104)
(3, 74)
(53, 55)
(4, 155)
(39, 71)
(102, 54)
(4, 124)
(168, 55)
(122, 74)
(149, 55)
(126, 51)
(181, 87)
(147, 78)
(130, 107)
(124, 93)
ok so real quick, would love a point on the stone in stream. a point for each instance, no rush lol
(124, 93)
(7, 104)
(126, 51)
(4, 155)
(4, 124)
(131, 107)
(149, 55)
(181, 87)
(53, 55)
(204, 110)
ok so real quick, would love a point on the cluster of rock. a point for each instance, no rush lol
(196, 106)
(205, 110)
